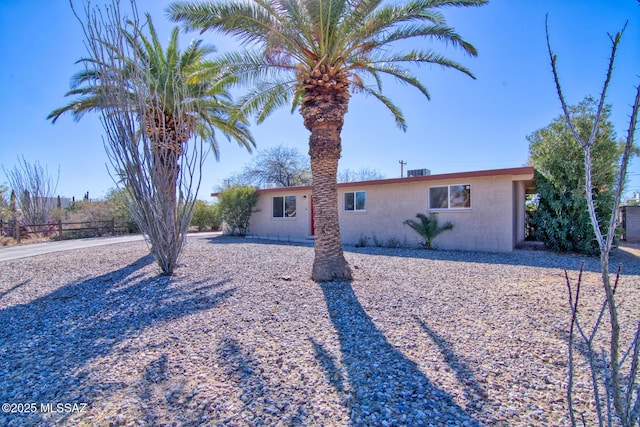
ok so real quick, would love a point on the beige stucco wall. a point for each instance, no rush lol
(486, 226)
(632, 232)
(263, 224)
(495, 222)
(519, 212)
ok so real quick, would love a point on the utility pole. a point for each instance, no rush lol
(402, 163)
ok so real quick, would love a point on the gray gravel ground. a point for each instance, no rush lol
(242, 337)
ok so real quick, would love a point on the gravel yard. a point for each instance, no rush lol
(242, 337)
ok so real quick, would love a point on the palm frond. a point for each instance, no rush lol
(401, 74)
(265, 97)
(397, 114)
(420, 57)
(427, 227)
(291, 38)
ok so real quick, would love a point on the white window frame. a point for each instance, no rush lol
(284, 207)
(355, 201)
(449, 207)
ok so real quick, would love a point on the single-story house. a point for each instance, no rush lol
(487, 209)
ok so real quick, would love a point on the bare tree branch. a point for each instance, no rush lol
(617, 391)
(34, 188)
(150, 144)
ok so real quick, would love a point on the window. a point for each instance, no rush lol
(450, 197)
(355, 201)
(284, 207)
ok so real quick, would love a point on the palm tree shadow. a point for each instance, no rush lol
(46, 344)
(385, 385)
(473, 391)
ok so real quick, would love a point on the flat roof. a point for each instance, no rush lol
(525, 172)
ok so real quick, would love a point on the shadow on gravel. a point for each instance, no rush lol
(386, 385)
(15, 287)
(474, 393)
(275, 241)
(543, 259)
(531, 258)
(45, 344)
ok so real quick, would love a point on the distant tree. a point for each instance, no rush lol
(561, 220)
(363, 174)
(234, 180)
(95, 213)
(427, 227)
(283, 166)
(34, 188)
(5, 211)
(236, 206)
(205, 215)
(118, 203)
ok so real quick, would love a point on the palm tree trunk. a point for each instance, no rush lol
(163, 221)
(324, 148)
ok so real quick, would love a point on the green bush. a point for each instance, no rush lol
(117, 200)
(561, 219)
(363, 241)
(205, 215)
(236, 206)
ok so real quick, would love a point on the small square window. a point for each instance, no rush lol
(284, 207)
(355, 201)
(450, 197)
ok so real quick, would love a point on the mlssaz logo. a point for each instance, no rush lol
(69, 408)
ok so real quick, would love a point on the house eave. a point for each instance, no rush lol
(524, 173)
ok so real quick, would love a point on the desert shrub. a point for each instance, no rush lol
(363, 241)
(394, 242)
(236, 206)
(95, 215)
(117, 200)
(205, 215)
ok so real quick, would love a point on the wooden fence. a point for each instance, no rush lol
(64, 230)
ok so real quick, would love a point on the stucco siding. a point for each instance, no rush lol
(262, 222)
(632, 232)
(519, 214)
(486, 226)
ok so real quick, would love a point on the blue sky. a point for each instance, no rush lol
(467, 125)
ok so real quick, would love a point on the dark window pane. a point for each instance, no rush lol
(349, 203)
(460, 196)
(278, 207)
(290, 206)
(438, 198)
(361, 198)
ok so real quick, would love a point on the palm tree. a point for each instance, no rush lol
(152, 101)
(184, 98)
(428, 227)
(314, 54)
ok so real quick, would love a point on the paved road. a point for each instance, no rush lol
(29, 250)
